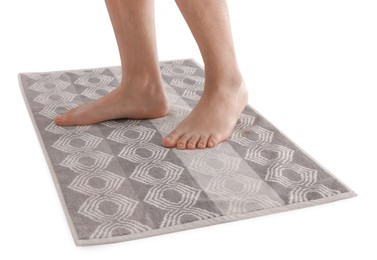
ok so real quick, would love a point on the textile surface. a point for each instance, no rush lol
(116, 182)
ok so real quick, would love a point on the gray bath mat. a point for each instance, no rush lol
(117, 183)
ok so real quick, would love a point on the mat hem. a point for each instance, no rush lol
(52, 171)
(213, 221)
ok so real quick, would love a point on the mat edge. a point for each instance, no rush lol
(101, 67)
(52, 171)
(214, 221)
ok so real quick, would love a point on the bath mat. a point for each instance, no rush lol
(116, 182)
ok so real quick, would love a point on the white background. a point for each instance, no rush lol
(311, 69)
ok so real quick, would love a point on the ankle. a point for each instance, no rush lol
(232, 81)
(142, 82)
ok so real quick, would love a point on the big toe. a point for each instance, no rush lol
(64, 119)
(59, 119)
(170, 140)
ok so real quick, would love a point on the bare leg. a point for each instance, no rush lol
(140, 94)
(225, 94)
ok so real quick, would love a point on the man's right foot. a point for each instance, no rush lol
(135, 101)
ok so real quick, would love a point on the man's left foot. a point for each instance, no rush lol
(213, 118)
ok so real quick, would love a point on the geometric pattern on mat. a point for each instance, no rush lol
(116, 182)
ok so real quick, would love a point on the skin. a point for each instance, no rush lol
(141, 95)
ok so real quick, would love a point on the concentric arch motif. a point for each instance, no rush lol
(117, 183)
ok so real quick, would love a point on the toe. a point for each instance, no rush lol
(171, 140)
(67, 119)
(63, 120)
(212, 141)
(59, 119)
(193, 142)
(182, 142)
(202, 142)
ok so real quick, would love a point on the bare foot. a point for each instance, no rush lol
(212, 119)
(136, 101)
